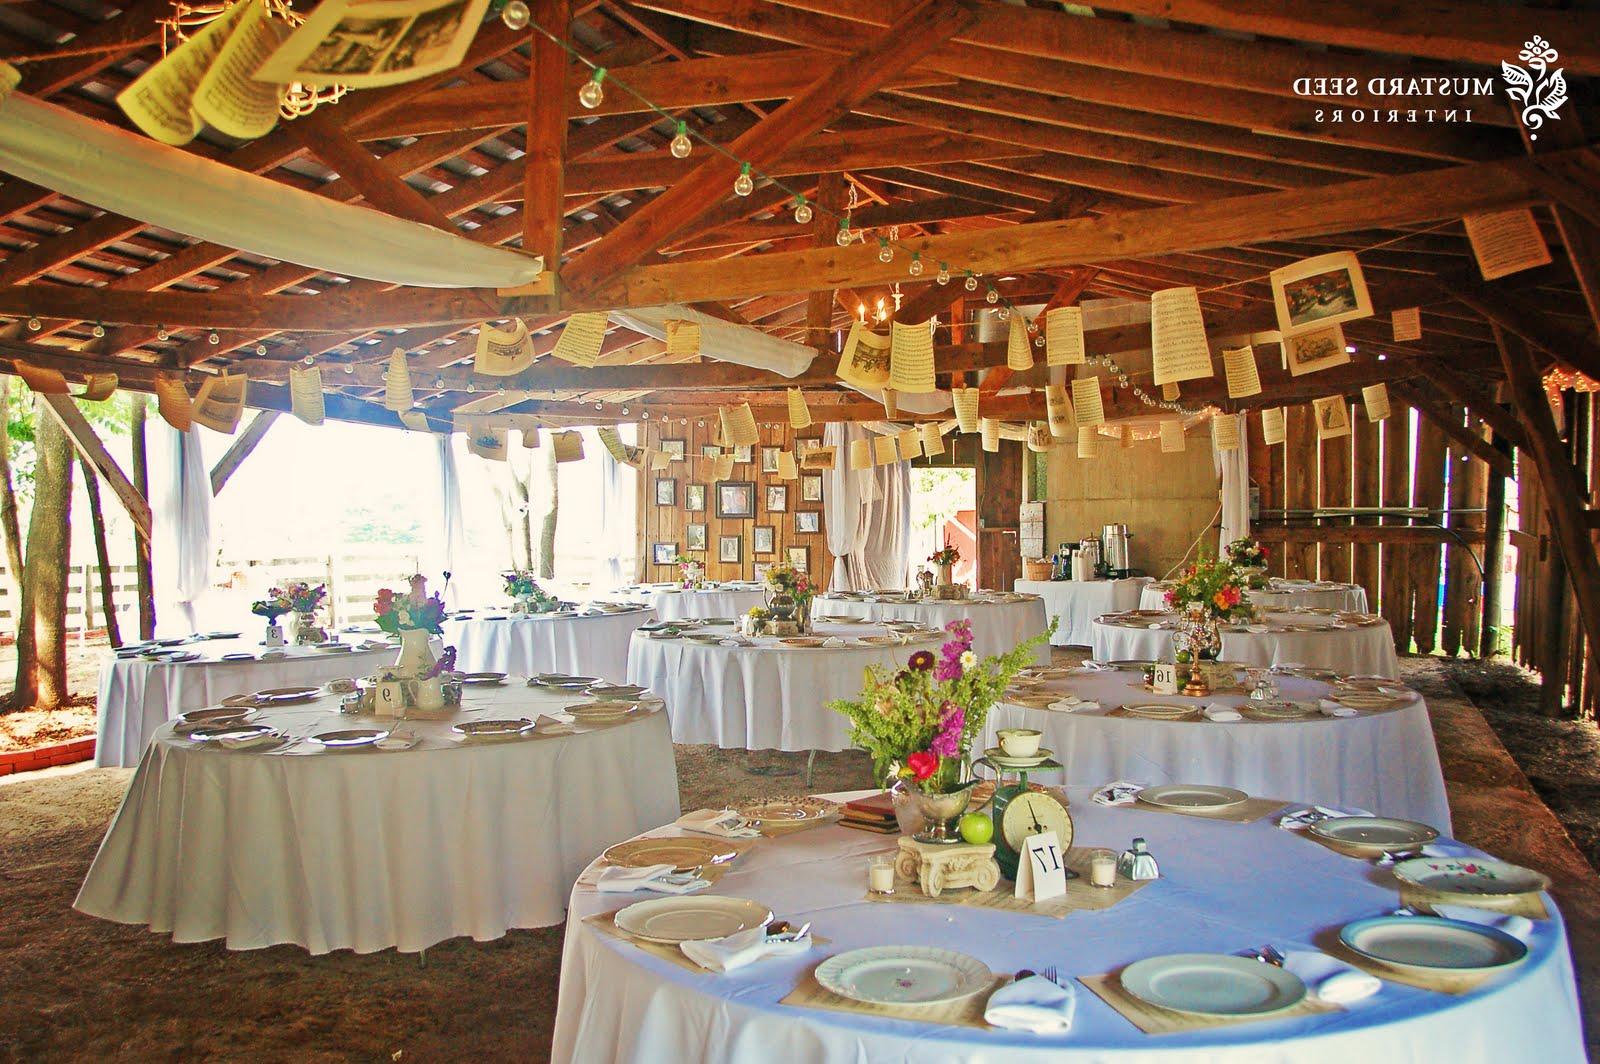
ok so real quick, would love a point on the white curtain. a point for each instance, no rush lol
(451, 547)
(130, 174)
(841, 504)
(1234, 468)
(618, 546)
(868, 515)
(181, 514)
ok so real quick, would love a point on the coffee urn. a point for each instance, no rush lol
(1086, 563)
(1114, 542)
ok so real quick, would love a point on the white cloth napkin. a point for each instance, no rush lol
(736, 951)
(1434, 849)
(550, 720)
(1331, 708)
(1304, 818)
(626, 880)
(1518, 927)
(1096, 666)
(723, 823)
(1329, 979)
(1118, 792)
(833, 641)
(1072, 703)
(1222, 714)
(1033, 1004)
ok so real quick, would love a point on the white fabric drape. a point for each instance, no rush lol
(452, 532)
(841, 504)
(722, 340)
(129, 174)
(181, 548)
(1234, 468)
(618, 547)
(869, 516)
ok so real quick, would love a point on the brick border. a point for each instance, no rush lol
(67, 753)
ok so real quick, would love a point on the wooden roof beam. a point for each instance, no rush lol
(544, 188)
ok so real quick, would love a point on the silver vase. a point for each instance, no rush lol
(932, 817)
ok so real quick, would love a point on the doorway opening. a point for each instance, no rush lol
(944, 501)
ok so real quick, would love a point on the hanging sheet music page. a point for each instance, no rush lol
(911, 358)
(1178, 346)
(1244, 379)
(580, 339)
(1506, 242)
(1086, 403)
(1272, 423)
(1063, 337)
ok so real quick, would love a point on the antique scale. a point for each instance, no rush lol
(1019, 812)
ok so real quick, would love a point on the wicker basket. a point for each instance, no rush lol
(1033, 569)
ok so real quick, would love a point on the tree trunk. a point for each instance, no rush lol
(141, 546)
(10, 529)
(108, 596)
(42, 628)
(547, 531)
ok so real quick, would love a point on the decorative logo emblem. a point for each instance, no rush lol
(1538, 90)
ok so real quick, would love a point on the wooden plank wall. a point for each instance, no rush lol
(665, 524)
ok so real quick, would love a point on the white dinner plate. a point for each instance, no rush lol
(349, 738)
(689, 919)
(1373, 834)
(286, 695)
(217, 714)
(904, 975)
(1471, 877)
(483, 679)
(1213, 984)
(236, 730)
(1193, 796)
(1430, 945)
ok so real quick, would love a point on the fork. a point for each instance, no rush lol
(1049, 973)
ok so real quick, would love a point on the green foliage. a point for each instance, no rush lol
(114, 417)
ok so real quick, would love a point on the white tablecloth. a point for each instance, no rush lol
(594, 644)
(1382, 762)
(138, 696)
(1282, 595)
(1078, 602)
(997, 626)
(765, 697)
(1225, 888)
(673, 603)
(1358, 651)
(372, 849)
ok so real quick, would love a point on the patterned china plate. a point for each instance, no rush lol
(1471, 877)
(787, 809)
(483, 679)
(1158, 710)
(491, 729)
(683, 853)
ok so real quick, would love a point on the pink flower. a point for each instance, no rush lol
(946, 743)
(921, 661)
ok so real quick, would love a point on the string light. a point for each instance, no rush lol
(743, 185)
(261, 349)
(98, 330)
(915, 269)
(885, 252)
(943, 276)
(681, 146)
(213, 339)
(842, 237)
(515, 15)
(802, 211)
(349, 367)
(592, 95)
(992, 295)
(971, 282)
(310, 360)
(161, 332)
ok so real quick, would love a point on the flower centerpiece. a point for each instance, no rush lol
(414, 616)
(755, 621)
(918, 725)
(789, 595)
(275, 605)
(1208, 593)
(692, 572)
(304, 601)
(1250, 557)
(526, 594)
(944, 562)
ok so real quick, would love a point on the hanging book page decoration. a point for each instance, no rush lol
(911, 358)
(1317, 292)
(739, 425)
(569, 446)
(1244, 379)
(305, 394)
(787, 468)
(488, 442)
(612, 441)
(219, 403)
(660, 460)
(683, 339)
(1375, 398)
(397, 391)
(502, 352)
(580, 339)
(1063, 337)
(1126, 438)
(530, 437)
(1170, 392)
(1171, 435)
(723, 467)
(1088, 441)
(1333, 416)
(1039, 437)
(819, 458)
(1087, 405)
(1506, 242)
(369, 45)
(1058, 409)
(98, 387)
(799, 412)
(932, 439)
(891, 403)
(989, 428)
(44, 381)
(910, 441)
(1019, 352)
(1407, 324)
(965, 401)
(1272, 423)
(864, 362)
(860, 454)
(1178, 347)
(1315, 349)
(1225, 432)
(415, 419)
(883, 450)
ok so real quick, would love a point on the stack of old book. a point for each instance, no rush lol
(874, 813)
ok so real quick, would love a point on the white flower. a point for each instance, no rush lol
(968, 659)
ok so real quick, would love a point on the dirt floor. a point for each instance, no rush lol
(30, 728)
(75, 988)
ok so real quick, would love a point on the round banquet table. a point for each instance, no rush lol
(368, 849)
(137, 695)
(1282, 595)
(998, 624)
(583, 644)
(1383, 762)
(1225, 887)
(767, 696)
(1076, 603)
(1363, 650)
(674, 603)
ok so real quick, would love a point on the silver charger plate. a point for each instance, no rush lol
(487, 729)
(1375, 834)
(1213, 984)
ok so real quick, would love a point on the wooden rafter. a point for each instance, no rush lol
(543, 189)
(94, 452)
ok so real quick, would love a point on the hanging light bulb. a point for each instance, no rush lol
(802, 211)
(971, 282)
(624, 411)
(842, 238)
(500, 390)
(681, 145)
(915, 269)
(472, 386)
(311, 360)
(261, 349)
(592, 95)
(1038, 341)
(515, 15)
(161, 333)
(943, 276)
(1004, 314)
(992, 295)
(213, 339)
(645, 415)
(743, 185)
(438, 382)
(98, 330)
(885, 252)
(34, 324)
(349, 367)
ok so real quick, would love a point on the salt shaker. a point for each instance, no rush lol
(1138, 863)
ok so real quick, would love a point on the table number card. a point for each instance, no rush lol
(389, 698)
(1164, 679)
(1041, 871)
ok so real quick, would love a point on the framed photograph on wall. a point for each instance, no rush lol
(736, 498)
(800, 558)
(673, 449)
(664, 553)
(808, 521)
(742, 453)
(694, 498)
(818, 458)
(694, 537)
(710, 450)
(666, 491)
(769, 459)
(811, 488)
(730, 549)
(777, 498)
(765, 540)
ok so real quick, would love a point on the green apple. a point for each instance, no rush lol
(977, 828)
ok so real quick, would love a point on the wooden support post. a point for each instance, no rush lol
(1300, 469)
(108, 600)
(1427, 490)
(241, 448)
(1563, 492)
(543, 189)
(1395, 600)
(1494, 556)
(88, 444)
(1463, 583)
(1334, 490)
(144, 578)
(1366, 460)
